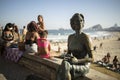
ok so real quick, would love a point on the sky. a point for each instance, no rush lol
(57, 13)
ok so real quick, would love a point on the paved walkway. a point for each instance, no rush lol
(14, 71)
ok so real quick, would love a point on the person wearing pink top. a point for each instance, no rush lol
(43, 45)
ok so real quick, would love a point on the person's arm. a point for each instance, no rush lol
(84, 60)
(49, 47)
(36, 36)
(41, 29)
(26, 36)
(16, 37)
(41, 26)
(69, 39)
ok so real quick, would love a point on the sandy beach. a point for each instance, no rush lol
(110, 44)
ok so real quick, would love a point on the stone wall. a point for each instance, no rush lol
(47, 68)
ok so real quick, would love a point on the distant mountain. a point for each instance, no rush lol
(97, 27)
(115, 27)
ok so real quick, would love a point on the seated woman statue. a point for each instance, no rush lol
(79, 46)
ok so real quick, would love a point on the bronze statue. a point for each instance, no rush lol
(79, 46)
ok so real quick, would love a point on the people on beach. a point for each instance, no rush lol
(101, 45)
(115, 66)
(43, 45)
(105, 61)
(95, 48)
(59, 49)
(108, 57)
(40, 23)
(115, 62)
(24, 31)
(80, 49)
(31, 38)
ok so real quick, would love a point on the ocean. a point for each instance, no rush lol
(62, 35)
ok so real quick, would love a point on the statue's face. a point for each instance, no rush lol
(77, 23)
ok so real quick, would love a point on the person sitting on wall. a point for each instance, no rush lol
(7, 35)
(44, 45)
(115, 62)
(31, 38)
(10, 38)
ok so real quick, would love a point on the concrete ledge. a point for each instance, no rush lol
(47, 68)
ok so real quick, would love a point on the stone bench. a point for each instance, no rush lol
(47, 68)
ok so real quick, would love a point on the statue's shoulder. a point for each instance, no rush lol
(85, 35)
(71, 35)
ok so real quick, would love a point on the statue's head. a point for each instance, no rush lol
(77, 21)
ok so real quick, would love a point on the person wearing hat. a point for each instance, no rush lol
(7, 34)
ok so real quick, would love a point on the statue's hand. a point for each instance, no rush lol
(74, 60)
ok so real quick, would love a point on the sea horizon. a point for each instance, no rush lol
(58, 35)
